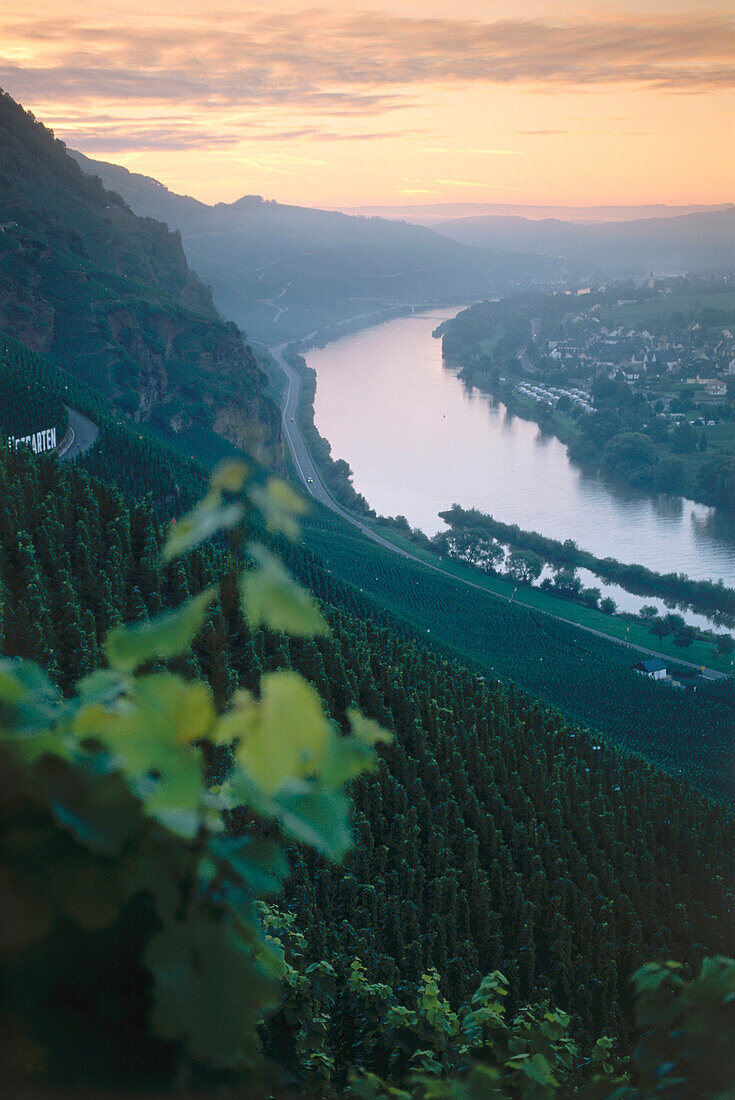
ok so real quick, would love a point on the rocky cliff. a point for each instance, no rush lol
(109, 296)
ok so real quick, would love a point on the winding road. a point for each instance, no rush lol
(84, 435)
(315, 488)
(305, 464)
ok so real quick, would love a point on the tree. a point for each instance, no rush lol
(660, 627)
(670, 475)
(716, 481)
(630, 456)
(685, 635)
(591, 596)
(567, 583)
(523, 566)
(684, 439)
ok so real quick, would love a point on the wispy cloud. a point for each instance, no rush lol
(480, 152)
(341, 67)
(484, 186)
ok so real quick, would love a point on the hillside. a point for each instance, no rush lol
(514, 838)
(701, 242)
(109, 296)
(588, 679)
(284, 271)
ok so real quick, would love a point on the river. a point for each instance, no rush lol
(418, 439)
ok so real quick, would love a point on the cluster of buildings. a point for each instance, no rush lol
(635, 354)
(585, 346)
(551, 394)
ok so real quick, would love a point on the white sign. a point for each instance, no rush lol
(39, 442)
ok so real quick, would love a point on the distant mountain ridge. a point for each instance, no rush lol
(284, 271)
(685, 243)
(434, 213)
(109, 296)
(431, 213)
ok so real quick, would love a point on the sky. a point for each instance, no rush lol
(370, 102)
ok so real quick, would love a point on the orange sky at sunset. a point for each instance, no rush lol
(390, 103)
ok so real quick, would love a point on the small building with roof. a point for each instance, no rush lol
(654, 667)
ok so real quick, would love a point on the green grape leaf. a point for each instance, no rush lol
(280, 506)
(211, 990)
(96, 809)
(348, 757)
(205, 519)
(367, 730)
(29, 702)
(315, 817)
(230, 476)
(168, 635)
(284, 734)
(259, 864)
(104, 686)
(270, 597)
(534, 1067)
(151, 738)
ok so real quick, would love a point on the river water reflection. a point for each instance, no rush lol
(417, 440)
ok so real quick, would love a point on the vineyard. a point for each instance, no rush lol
(588, 678)
(498, 833)
(29, 404)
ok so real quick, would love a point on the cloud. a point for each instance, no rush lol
(114, 139)
(348, 66)
(107, 134)
(482, 186)
(542, 133)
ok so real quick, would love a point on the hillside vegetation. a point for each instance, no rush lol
(140, 910)
(109, 296)
(297, 269)
(495, 834)
(518, 833)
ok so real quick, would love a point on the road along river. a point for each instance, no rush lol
(314, 487)
(417, 440)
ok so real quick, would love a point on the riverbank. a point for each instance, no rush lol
(629, 403)
(665, 471)
(615, 627)
(702, 596)
(590, 620)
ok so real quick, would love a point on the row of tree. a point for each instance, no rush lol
(495, 833)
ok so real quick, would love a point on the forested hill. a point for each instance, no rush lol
(110, 297)
(496, 833)
(700, 241)
(301, 269)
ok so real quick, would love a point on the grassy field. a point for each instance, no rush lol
(590, 678)
(700, 653)
(665, 306)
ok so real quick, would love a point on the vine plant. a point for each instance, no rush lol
(133, 942)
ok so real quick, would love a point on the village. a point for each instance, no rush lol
(680, 361)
